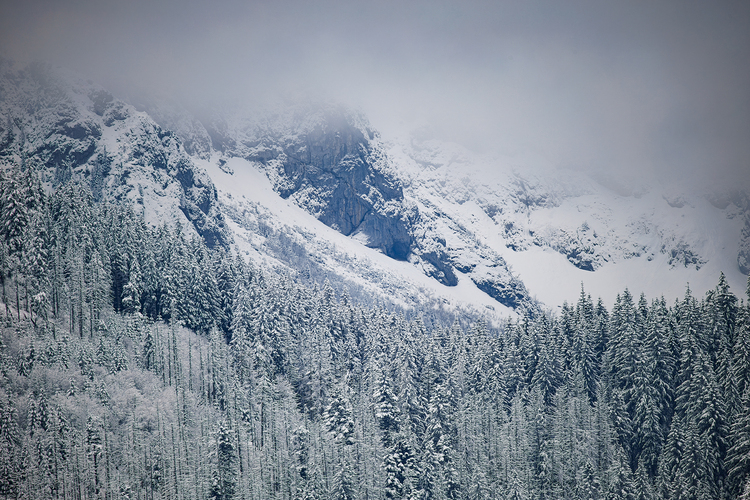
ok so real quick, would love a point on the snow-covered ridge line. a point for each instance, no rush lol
(68, 128)
(418, 220)
(558, 228)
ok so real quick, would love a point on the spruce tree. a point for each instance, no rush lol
(224, 475)
(548, 375)
(738, 455)
(652, 391)
(9, 448)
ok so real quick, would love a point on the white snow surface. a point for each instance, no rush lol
(548, 224)
(244, 188)
(528, 216)
(648, 238)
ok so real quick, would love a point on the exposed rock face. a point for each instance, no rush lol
(170, 115)
(446, 251)
(39, 121)
(74, 130)
(330, 162)
(436, 263)
(324, 158)
(333, 166)
(511, 293)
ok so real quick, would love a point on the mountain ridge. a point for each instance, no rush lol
(70, 128)
(448, 212)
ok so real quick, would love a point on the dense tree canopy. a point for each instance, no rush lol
(135, 362)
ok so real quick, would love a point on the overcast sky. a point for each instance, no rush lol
(630, 85)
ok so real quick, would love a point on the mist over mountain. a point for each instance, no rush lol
(647, 89)
(495, 223)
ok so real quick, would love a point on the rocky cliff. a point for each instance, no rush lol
(329, 161)
(332, 165)
(74, 130)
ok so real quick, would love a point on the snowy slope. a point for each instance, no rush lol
(559, 229)
(69, 129)
(517, 229)
(314, 189)
(252, 206)
(653, 242)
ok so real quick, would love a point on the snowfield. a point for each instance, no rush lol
(543, 221)
(647, 243)
(244, 189)
(488, 234)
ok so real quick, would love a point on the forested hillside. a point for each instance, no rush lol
(136, 363)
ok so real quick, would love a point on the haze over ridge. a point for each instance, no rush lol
(646, 88)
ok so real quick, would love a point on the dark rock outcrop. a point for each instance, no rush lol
(436, 264)
(334, 167)
(510, 293)
(60, 123)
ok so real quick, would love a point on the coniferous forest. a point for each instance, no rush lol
(136, 362)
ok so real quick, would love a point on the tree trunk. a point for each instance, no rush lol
(18, 302)
(5, 297)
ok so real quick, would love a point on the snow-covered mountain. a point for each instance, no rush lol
(559, 228)
(316, 189)
(68, 128)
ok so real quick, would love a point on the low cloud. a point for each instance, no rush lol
(653, 87)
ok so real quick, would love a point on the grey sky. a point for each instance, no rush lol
(630, 85)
